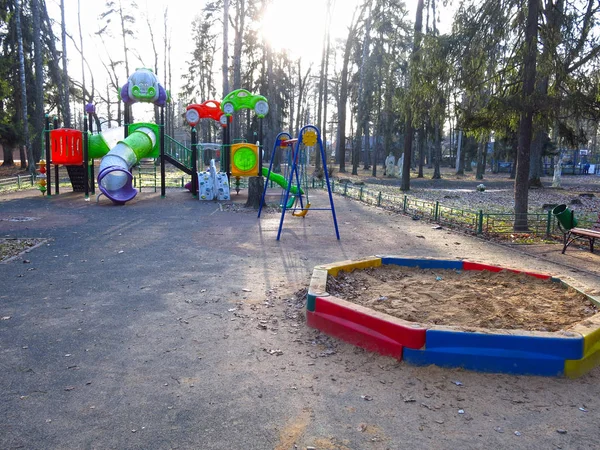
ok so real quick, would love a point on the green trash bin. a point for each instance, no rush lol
(566, 217)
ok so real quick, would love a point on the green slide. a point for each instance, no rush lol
(281, 181)
(97, 146)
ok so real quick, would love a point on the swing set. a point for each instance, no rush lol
(294, 181)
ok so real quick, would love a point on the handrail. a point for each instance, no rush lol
(178, 151)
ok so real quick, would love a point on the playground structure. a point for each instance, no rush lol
(141, 140)
(295, 179)
(243, 159)
(148, 140)
(209, 184)
(77, 150)
(73, 149)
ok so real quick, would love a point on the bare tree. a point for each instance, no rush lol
(155, 52)
(225, 47)
(343, 97)
(408, 128)
(302, 84)
(38, 115)
(23, 84)
(63, 29)
(362, 114)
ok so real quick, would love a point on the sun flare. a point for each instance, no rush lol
(295, 27)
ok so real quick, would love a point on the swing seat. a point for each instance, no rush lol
(302, 212)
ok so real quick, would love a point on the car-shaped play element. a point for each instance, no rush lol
(210, 109)
(143, 86)
(242, 99)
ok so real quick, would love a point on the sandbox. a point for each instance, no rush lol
(557, 334)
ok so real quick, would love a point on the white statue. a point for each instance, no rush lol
(556, 179)
(400, 164)
(390, 161)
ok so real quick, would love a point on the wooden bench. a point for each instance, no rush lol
(590, 234)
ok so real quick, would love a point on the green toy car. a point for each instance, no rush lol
(242, 99)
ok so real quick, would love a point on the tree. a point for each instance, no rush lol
(67, 103)
(526, 121)
(23, 85)
(38, 52)
(323, 82)
(362, 115)
(343, 96)
(225, 71)
(408, 128)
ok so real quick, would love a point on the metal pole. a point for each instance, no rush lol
(194, 162)
(48, 159)
(162, 153)
(227, 150)
(86, 174)
(91, 166)
(56, 188)
(261, 146)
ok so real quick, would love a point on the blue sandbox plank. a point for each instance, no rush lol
(424, 263)
(556, 347)
(517, 363)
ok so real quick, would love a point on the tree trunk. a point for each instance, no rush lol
(437, 152)
(343, 99)
(56, 74)
(460, 155)
(23, 156)
(292, 104)
(240, 16)
(408, 128)
(8, 159)
(421, 147)
(23, 85)
(38, 115)
(514, 151)
(301, 93)
(155, 54)
(361, 114)
(66, 84)
(479, 173)
(554, 15)
(256, 186)
(526, 121)
(225, 68)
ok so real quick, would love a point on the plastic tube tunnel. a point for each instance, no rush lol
(114, 177)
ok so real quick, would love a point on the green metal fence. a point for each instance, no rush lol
(18, 182)
(490, 224)
(147, 176)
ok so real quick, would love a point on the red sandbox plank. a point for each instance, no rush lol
(354, 334)
(404, 335)
(476, 266)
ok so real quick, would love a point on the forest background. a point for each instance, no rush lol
(437, 81)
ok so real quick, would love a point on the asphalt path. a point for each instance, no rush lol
(172, 323)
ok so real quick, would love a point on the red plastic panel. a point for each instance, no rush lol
(404, 335)
(66, 146)
(354, 334)
(476, 266)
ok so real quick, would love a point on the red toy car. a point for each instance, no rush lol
(210, 109)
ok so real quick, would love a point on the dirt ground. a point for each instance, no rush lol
(503, 300)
